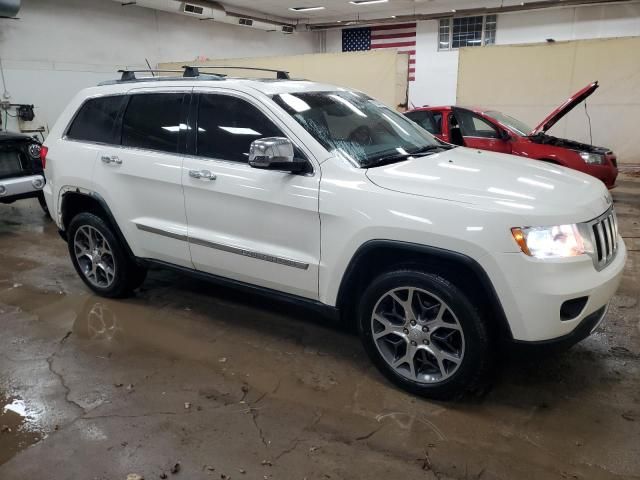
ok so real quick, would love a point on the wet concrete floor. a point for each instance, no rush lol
(236, 386)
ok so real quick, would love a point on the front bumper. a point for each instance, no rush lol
(20, 187)
(532, 293)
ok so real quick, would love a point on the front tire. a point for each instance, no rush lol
(424, 334)
(100, 258)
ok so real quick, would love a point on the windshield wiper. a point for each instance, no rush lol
(420, 152)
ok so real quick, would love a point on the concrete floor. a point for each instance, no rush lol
(234, 386)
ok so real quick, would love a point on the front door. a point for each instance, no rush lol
(478, 132)
(256, 226)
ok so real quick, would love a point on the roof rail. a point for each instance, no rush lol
(194, 69)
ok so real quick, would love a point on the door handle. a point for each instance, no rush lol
(111, 159)
(202, 175)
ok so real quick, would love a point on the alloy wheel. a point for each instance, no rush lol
(95, 256)
(418, 335)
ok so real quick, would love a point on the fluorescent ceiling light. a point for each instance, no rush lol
(367, 2)
(305, 9)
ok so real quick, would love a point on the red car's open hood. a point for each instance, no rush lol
(565, 108)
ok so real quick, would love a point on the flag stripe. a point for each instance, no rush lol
(394, 45)
(393, 27)
(393, 35)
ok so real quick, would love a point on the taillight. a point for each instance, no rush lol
(43, 155)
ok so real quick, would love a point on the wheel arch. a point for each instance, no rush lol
(74, 202)
(377, 256)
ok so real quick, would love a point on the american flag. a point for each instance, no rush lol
(400, 36)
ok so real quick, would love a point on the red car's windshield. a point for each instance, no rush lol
(514, 124)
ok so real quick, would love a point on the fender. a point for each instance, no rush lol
(422, 253)
(105, 210)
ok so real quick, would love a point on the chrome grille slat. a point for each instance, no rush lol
(607, 231)
(605, 238)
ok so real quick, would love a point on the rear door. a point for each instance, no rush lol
(140, 177)
(256, 226)
(478, 132)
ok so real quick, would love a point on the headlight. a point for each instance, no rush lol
(592, 158)
(560, 241)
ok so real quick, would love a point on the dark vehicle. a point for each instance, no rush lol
(21, 174)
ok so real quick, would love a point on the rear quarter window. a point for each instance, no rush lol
(96, 120)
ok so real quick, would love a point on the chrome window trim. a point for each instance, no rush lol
(288, 262)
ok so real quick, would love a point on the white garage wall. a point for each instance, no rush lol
(57, 48)
(437, 72)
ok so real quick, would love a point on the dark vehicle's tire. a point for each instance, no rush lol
(100, 258)
(424, 334)
(43, 204)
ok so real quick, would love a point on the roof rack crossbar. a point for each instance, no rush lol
(281, 74)
(129, 75)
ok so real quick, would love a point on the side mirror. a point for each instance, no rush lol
(504, 135)
(275, 153)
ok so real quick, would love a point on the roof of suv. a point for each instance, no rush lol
(266, 86)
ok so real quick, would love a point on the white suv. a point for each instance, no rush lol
(320, 194)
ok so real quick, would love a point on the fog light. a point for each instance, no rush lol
(3, 189)
(38, 183)
(572, 308)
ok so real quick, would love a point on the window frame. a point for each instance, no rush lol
(192, 133)
(448, 23)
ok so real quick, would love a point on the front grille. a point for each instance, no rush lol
(605, 239)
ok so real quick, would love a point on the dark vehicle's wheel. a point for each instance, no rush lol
(424, 334)
(43, 204)
(100, 259)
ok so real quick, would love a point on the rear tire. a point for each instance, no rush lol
(424, 335)
(100, 258)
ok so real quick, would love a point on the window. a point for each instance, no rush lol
(471, 125)
(430, 121)
(152, 121)
(467, 32)
(96, 120)
(228, 125)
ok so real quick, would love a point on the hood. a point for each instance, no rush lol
(539, 193)
(565, 108)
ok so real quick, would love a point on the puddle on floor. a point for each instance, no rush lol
(18, 427)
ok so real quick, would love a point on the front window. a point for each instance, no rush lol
(514, 124)
(355, 126)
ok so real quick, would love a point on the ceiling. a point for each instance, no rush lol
(343, 10)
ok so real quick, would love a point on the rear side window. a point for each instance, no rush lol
(96, 120)
(228, 125)
(430, 121)
(152, 121)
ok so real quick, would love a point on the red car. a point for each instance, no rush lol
(493, 130)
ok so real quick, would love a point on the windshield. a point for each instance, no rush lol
(514, 124)
(355, 126)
